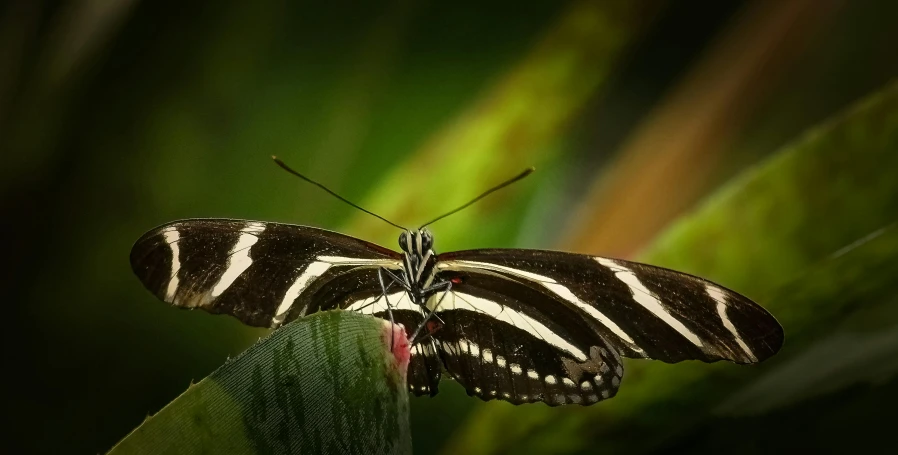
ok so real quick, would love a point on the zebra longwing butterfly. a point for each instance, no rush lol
(510, 324)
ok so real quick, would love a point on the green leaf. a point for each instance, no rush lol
(325, 383)
(785, 234)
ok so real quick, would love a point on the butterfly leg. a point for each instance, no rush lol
(384, 288)
(400, 280)
(394, 280)
(446, 287)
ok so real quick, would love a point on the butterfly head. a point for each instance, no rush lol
(416, 243)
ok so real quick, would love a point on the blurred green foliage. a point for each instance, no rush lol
(118, 116)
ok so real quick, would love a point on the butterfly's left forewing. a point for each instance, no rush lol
(264, 274)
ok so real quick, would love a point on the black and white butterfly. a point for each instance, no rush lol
(511, 324)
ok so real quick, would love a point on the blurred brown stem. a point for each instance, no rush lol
(669, 162)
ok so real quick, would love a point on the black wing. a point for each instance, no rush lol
(268, 274)
(264, 274)
(562, 306)
(497, 352)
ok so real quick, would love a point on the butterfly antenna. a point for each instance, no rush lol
(486, 193)
(290, 170)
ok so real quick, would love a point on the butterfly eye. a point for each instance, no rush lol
(403, 240)
(426, 240)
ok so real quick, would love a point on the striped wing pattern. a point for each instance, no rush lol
(642, 311)
(517, 325)
(520, 329)
(265, 274)
(268, 274)
(494, 359)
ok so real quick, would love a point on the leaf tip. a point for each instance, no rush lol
(395, 338)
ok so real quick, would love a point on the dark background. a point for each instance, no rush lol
(118, 116)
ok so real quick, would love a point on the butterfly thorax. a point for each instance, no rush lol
(419, 259)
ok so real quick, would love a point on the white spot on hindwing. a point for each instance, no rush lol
(449, 347)
(474, 350)
(469, 347)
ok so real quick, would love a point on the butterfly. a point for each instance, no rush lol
(517, 325)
